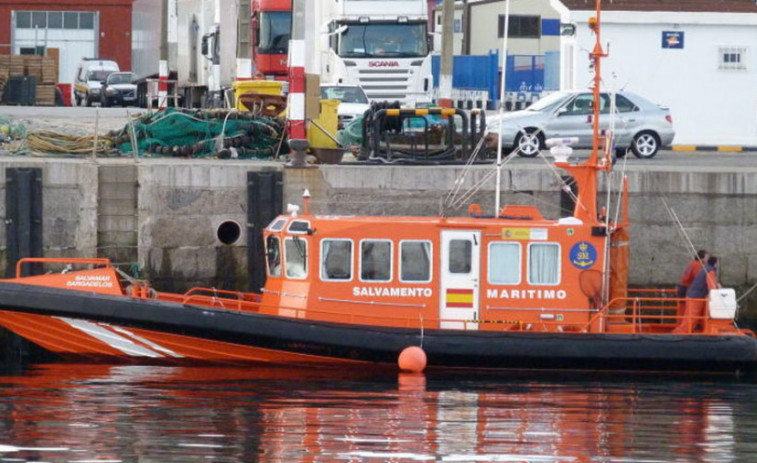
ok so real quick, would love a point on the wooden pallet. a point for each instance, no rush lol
(49, 71)
(33, 66)
(45, 95)
(17, 66)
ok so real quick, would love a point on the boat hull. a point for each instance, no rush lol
(85, 324)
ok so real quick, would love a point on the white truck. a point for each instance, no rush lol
(202, 48)
(381, 46)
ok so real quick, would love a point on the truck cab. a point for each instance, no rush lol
(382, 47)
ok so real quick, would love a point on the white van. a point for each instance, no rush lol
(90, 74)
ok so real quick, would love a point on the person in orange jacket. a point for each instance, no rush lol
(694, 267)
(706, 280)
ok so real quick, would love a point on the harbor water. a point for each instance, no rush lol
(103, 413)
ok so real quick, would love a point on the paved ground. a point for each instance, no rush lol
(82, 120)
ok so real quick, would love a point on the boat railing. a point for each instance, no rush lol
(213, 297)
(99, 261)
(656, 314)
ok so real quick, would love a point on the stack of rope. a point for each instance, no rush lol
(44, 143)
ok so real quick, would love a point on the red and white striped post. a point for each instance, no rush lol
(296, 63)
(163, 84)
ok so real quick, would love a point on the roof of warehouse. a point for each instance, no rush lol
(714, 6)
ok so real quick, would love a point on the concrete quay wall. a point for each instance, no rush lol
(163, 215)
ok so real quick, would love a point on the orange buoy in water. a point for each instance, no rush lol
(412, 359)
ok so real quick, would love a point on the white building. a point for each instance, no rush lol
(697, 57)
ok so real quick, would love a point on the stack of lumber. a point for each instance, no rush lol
(48, 76)
(17, 65)
(5, 71)
(43, 68)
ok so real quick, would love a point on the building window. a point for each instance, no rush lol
(55, 19)
(336, 260)
(732, 58)
(375, 260)
(504, 263)
(415, 261)
(23, 19)
(70, 20)
(520, 27)
(543, 264)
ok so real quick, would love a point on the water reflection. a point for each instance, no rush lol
(100, 413)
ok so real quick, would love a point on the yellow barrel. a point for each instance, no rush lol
(271, 87)
(327, 121)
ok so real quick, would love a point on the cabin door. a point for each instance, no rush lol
(458, 302)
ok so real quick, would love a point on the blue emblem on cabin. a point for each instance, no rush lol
(583, 255)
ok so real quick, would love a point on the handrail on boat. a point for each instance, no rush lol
(61, 260)
(197, 289)
(637, 315)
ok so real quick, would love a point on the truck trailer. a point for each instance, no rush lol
(202, 45)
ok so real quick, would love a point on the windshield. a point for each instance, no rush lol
(98, 75)
(274, 31)
(549, 101)
(377, 39)
(344, 94)
(120, 78)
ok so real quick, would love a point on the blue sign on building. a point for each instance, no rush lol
(672, 39)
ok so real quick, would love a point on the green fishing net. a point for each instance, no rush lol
(202, 133)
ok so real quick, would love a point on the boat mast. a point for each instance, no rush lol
(596, 55)
(501, 106)
(585, 174)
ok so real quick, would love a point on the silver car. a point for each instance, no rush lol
(640, 125)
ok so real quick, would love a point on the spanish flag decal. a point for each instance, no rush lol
(460, 298)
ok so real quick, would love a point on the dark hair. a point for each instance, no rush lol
(700, 254)
(712, 260)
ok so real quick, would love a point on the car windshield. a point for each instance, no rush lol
(98, 75)
(344, 94)
(120, 78)
(549, 101)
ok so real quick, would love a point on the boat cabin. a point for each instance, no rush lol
(517, 271)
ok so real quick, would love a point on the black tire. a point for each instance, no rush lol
(88, 102)
(77, 100)
(645, 145)
(620, 153)
(528, 143)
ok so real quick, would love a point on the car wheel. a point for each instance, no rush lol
(528, 143)
(645, 145)
(88, 102)
(77, 100)
(621, 152)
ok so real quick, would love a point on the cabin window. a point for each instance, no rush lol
(415, 261)
(296, 255)
(299, 226)
(544, 264)
(504, 263)
(376, 260)
(460, 256)
(277, 225)
(273, 256)
(336, 260)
